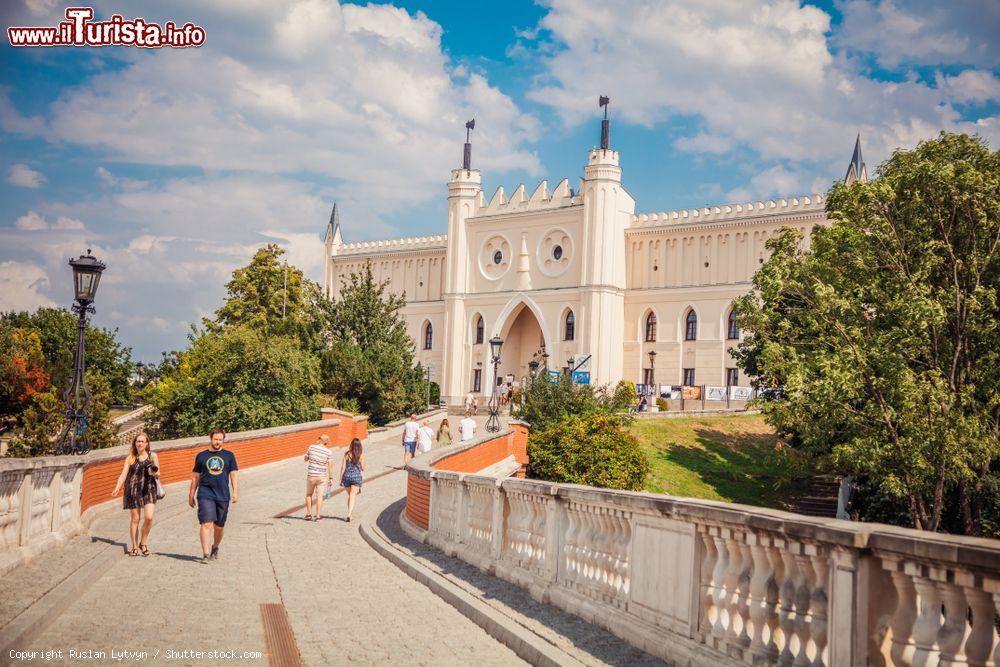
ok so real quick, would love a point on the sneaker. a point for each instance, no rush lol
(215, 553)
(205, 560)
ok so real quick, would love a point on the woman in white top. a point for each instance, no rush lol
(425, 436)
(320, 470)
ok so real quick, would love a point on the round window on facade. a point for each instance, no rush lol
(497, 257)
(557, 252)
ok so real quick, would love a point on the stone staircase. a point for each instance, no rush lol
(819, 498)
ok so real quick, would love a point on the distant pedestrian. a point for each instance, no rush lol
(425, 437)
(318, 473)
(351, 469)
(444, 434)
(467, 427)
(410, 429)
(138, 478)
(468, 401)
(475, 405)
(214, 471)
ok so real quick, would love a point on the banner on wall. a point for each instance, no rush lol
(691, 393)
(553, 376)
(640, 389)
(741, 393)
(715, 393)
(581, 377)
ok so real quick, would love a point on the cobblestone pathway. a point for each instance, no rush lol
(346, 604)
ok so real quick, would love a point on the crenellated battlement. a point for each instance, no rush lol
(540, 199)
(802, 204)
(394, 245)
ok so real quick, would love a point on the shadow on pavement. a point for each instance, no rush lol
(595, 641)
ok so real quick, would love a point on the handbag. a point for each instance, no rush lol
(160, 491)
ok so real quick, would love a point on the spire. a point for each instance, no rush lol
(333, 235)
(856, 170)
(467, 156)
(604, 101)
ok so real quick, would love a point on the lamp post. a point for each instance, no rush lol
(86, 277)
(533, 368)
(652, 368)
(493, 423)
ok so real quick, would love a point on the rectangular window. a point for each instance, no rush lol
(732, 377)
(689, 377)
(477, 380)
(647, 376)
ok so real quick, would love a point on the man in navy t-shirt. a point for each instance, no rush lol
(214, 470)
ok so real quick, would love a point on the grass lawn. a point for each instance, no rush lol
(732, 458)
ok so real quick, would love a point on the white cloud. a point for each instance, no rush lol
(32, 221)
(704, 143)
(24, 176)
(23, 286)
(974, 86)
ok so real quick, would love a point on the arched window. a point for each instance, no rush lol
(651, 327)
(734, 329)
(691, 326)
(479, 330)
(428, 336)
(570, 326)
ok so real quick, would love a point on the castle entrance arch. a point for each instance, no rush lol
(523, 340)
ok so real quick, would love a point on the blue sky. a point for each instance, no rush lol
(174, 165)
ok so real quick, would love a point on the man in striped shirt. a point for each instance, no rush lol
(320, 469)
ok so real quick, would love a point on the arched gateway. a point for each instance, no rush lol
(523, 340)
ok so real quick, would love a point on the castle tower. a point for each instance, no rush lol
(333, 239)
(608, 208)
(463, 190)
(856, 170)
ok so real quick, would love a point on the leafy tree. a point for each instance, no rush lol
(45, 418)
(544, 402)
(370, 357)
(22, 369)
(594, 449)
(56, 329)
(273, 297)
(237, 379)
(878, 345)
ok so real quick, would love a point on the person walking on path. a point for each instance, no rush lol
(138, 478)
(444, 434)
(318, 472)
(467, 427)
(475, 405)
(410, 429)
(214, 471)
(425, 437)
(351, 469)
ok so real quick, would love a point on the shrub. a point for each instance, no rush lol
(593, 449)
(546, 402)
(663, 404)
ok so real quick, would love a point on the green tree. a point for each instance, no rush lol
(44, 419)
(22, 369)
(56, 329)
(877, 347)
(594, 449)
(238, 379)
(370, 356)
(545, 402)
(273, 297)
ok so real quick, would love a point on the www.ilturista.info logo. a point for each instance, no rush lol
(80, 30)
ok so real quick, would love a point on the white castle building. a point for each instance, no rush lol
(571, 273)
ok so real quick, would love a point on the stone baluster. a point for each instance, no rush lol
(903, 618)
(787, 599)
(955, 629)
(929, 621)
(775, 639)
(982, 630)
(803, 610)
(709, 612)
(741, 630)
(733, 621)
(818, 604)
(569, 552)
(762, 599)
(719, 589)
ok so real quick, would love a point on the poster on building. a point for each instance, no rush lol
(640, 389)
(715, 393)
(509, 379)
(675, 393)
(664, 391)
(691, 393)
(741, 393)
(553, 376)
(581, 377)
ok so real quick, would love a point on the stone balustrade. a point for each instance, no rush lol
(44, 501)
(709, 583)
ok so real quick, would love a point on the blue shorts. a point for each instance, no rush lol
(411, 447)
(214, 511)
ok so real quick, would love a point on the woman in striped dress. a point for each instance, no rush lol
(350, 473)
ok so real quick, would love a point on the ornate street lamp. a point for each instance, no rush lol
(86, 277)
(493, 423)
(533, 368)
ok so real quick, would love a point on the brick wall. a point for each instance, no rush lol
(250, 449)
(418, 501)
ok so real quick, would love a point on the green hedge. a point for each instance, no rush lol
(592, 449)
